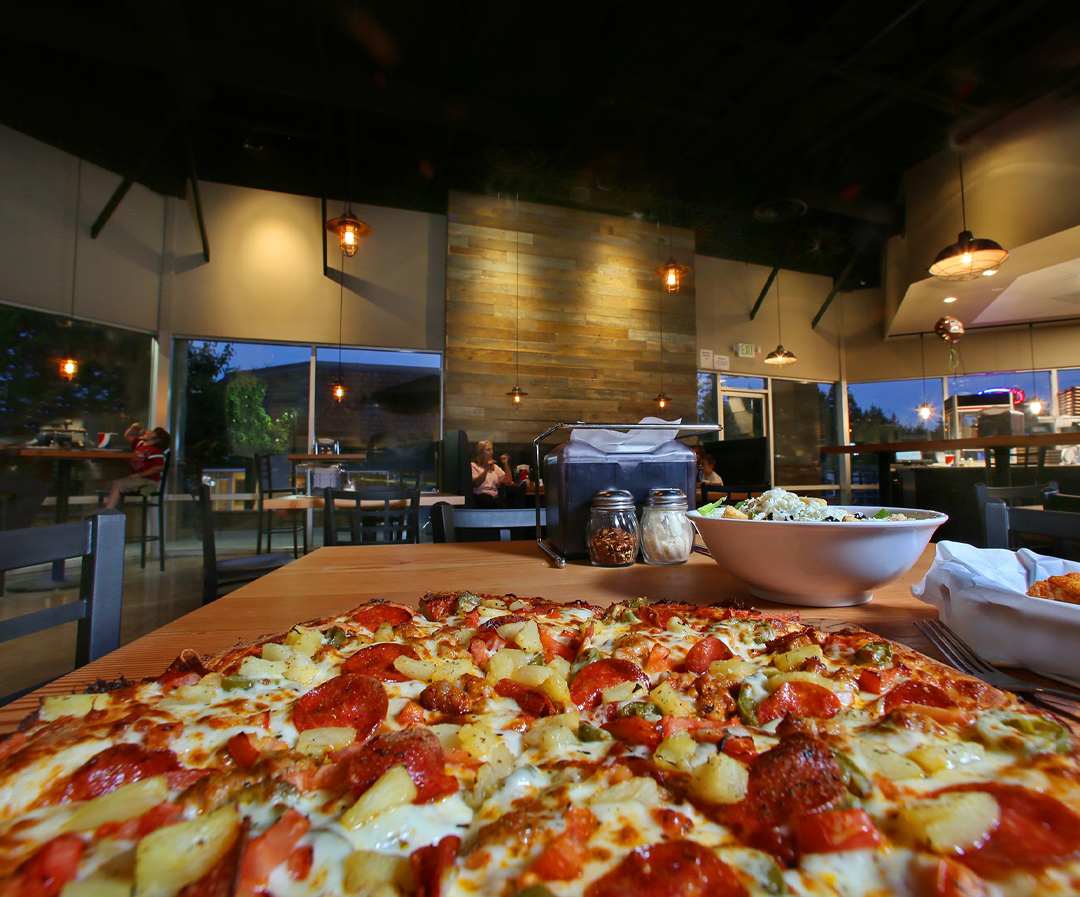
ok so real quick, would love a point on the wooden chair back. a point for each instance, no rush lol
(450, 524)
(377, 514)
(1059, 501)
(1060, 528)
(264, 471)
(711, 492)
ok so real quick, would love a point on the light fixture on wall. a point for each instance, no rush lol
(671, 273)
(779, 356)
(1035, 405)
(924, 410)
(967, 258)
(516, 394)
(69, 367)
(337, 385)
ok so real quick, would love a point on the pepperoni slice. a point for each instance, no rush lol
(565, 854)
(659, 616)
(913, 692)
(635, 730)
(669, 869)
(48, 870)
(797, 776)
(187, 664)
(553, 647)
(115, 766)
(705, 652)
(836, 830)
(418, 749)
(600, 674)
(438, 607)
(1034, 831)
(430, 862)
(504, 620)
(799, 699)
(347, 700)
(378, 661)
(374, 615)
(242, 750)
(530, 700)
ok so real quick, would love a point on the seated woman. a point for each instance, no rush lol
(487, 475)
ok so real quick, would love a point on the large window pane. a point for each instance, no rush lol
(804, 419)
(706, 398)
(744, 416)
(743, 382)
(1069, 392)
(887, 411)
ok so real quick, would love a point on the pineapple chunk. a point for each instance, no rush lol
(299, 668)
(450, 670)
(676, 752)
(176, 855)
(957, 820)
(502, 761)
(775, 681)
(551, 739)
(792, 660)
(385, 633)
(367, 871)
(677, 626)
(304, 640)
(258, 668)
(555, 687)
(317, 742)
(528, 638)
(509, 631)
(624, 691)
(447, 733)
(96, 886)
(720, 780)
(668, 700)
(56, 706)
(561, 666)
(132, 799)
(735, 668)
(477, 739)
(642, 789)
(392, 789)
(421, 670)
(501, 666)
(934, 758)
(533, 676)
(274, 651)
(893, 766)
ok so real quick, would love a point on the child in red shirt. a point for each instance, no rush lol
(149, 447)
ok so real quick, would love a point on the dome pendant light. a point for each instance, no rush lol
(924, 411)
(780, 356)
(967, 258)
(516, 395)
(348, 227)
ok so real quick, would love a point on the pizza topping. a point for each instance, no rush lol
(914, 692)
(564, 857)
(530, 700)
(417, 749)
(635, 730)
(378, 661)
(705, 652)
(116, 766)
(431, 862)
(268, 851)
(670, 869)
(373, 616)
(242, 750)
(589, 684)
(445, 697)
(835, 830)
(44, 875)
(799, 699)
(350, 700)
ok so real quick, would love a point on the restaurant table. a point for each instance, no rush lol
(331, 580)
(65, 460)
(1001, 446)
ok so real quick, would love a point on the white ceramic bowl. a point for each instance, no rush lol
(818, 564)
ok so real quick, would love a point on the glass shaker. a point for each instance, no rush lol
(612, 530)
(667, 536)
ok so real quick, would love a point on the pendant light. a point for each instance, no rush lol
(779, 356)
(516, 395)
(69, 366)
(924, 410)
(661, 399)
(337, 385)
(967, 258)
(1035, 405)
(671, 272)
(348, 227)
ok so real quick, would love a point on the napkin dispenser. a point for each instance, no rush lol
(575, 471)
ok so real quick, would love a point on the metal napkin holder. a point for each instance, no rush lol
(559, 560)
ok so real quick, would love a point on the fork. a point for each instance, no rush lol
(966, 660)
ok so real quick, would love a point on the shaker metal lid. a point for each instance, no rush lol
(613, 500)
(666, 498)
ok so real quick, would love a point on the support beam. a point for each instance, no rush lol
(764, 292)
(322, 227)
(193, 176)
(838, 284)
(121, 191)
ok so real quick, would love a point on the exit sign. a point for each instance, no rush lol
(745, 350)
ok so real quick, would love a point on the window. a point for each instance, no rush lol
(804, 419)
(887, 411)
(706, 399)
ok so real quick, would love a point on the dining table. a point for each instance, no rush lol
(1000, 446)
(331, 580)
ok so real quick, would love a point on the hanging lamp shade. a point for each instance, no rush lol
(338, 388)
(349, 230)
(69, 367)
(662, 400)
(968, 258)
(672, 274)
(780, 356)
(516, 395)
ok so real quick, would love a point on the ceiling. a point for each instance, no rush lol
(776, 131)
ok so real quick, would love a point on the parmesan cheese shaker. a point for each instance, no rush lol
(667, 537)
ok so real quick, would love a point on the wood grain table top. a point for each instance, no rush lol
(332, 580)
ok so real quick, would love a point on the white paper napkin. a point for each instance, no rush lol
(615, 441)
(980, 594)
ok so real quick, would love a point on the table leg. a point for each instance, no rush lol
(1002, 467)
(57, 578)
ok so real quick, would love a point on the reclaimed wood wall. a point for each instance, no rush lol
(587, 312)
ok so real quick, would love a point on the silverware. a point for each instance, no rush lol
(966, 660)
(701, 549)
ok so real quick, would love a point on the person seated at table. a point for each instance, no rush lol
(487, 475)
(708, 468)
(149, 447)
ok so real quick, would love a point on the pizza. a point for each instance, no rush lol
(497, 745)
(1058, 588)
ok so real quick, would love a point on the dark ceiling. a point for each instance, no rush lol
(726, 118)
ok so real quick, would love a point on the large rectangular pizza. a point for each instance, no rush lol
(515, 747)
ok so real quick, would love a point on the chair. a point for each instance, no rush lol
(233, 571)
(264, 469)
(20, 500)
(513, 495)
(742, 463)
(376, 514)
(450, 524)
(1061, 527)
(1059, 501)
(149, 500)
(1034, 494)
(99, 541)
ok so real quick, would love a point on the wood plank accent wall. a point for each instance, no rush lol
(588, 319)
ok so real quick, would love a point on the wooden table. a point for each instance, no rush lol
(1001, 446)
(331, 580)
